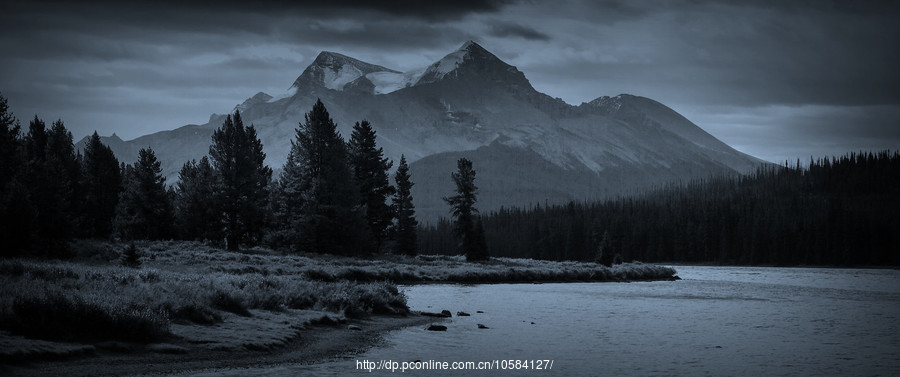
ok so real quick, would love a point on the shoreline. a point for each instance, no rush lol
(490, 282)
(310, 345)
(190, 306)
(809, 266)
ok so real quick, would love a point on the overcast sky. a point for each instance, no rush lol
(778, 80)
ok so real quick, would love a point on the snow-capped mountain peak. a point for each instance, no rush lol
(333, 71)
(339, 72)
(469, 53)
(451, 61)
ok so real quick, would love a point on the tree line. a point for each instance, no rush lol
(332, 196)
(335, 196)
(837, 211)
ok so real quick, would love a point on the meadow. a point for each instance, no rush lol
(93, 298)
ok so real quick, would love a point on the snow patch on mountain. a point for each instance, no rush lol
(449, 63)
(334, 71)
(389, 82)
(337, 79)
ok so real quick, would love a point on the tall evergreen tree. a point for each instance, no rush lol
(144, 210)
(16, 209)
(65, 165)
(101, 184)
(36, 142)
(238, 158)
(10, 144)
(407, 226)
(370, 170)
(50, 166)
(196, 209)
(462, 208)
(318, 200)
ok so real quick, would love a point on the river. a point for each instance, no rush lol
(716, 321)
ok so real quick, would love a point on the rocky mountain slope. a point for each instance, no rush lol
(527, 147)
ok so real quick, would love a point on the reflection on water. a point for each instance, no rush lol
(717, 321)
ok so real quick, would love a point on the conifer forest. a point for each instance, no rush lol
(335, 196)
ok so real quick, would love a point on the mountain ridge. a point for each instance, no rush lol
(470, 103)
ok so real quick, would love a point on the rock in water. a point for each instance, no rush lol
(436, 328)
(462, 314)
(442, 314)
(480, 326)
(354, 327)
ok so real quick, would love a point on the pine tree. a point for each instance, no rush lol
(10, 145)
(144, 210)
(65, 166)
(462, 207)
(238, 158)
(101, 184)
(370, 170)
(196, 209)
(318, 202)
(604, 254)
(407, 227)
(49, 174)
(17, 222)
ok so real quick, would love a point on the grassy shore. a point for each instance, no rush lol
(187, 295)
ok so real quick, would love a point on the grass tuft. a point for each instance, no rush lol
(229, 302)
(53, 315)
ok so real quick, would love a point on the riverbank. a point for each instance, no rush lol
(187, 303)
(265, 345)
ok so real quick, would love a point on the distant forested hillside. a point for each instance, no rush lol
(838, 211)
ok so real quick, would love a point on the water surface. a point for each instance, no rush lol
(717, 321)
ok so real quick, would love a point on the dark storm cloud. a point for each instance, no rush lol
(748, 54)
(112, 30)
(431, 10)
(168, 12)
(508, 29)
(814, 68)
(380, 34)
(799, 57)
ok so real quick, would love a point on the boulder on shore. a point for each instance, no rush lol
(442, 314)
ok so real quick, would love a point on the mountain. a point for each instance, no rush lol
(527, 147)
